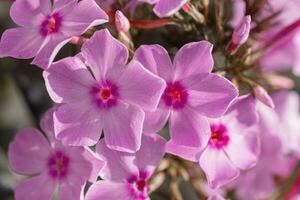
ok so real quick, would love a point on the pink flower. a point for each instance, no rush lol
(259, 182)
(193, 93)
(45, 28)
(233, 143)
(126, 175)
(50, 164)
(108, 95)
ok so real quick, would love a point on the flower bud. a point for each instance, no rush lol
(261, 94)
(121, 22)
(240, 34)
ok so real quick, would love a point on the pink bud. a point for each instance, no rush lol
(262, 95)
(241, 33)
(122, 23)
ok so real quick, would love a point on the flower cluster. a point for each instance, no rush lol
(126, 116)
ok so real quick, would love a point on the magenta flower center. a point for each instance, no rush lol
(175, 95)
(51, 24)
(141, 184)
(219, 137)
(138, 187)
(105, 95)
(58, 165)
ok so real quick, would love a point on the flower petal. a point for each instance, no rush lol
(151, 152)
(119, 165)
(165, 8)
(243, 149)
(111, 54)
(123, 125)
(187, 128)
(156, 59)
(138, 86)
(20, 43)
(96, 161)
(187, 153)
(28, 152)
(155, 121)
(29, 13)
(67, 190)
(210, 94)
(193, 58)
(35, 188)
(68, 80)
(109, 190)
(49, 50)
(77, 124)
(218, 168)
(238, 107)
(85, 15)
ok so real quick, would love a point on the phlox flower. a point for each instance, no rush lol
(50, 165)
(233, 144)
(192, 94)
(126, 175)
(102, 93)
(259, 182)
(46, 27)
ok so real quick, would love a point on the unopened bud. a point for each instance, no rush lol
(240, 34)
(121, 22)
(261, 94)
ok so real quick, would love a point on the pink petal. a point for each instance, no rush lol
(151, 152)
(68, 80)
(243, 149)
(156, 59)
(165, 8)
(77, 124)
(28, 152)
(218, 168)
(193, 58)
(111, 54)
(49, 50)
(109, 191)
(123, 125)
(67, 190)
(155, 121)
(35, 188)
(64, 7)
(119, 165)
(138, 86)
(29, 13)
(187, 128)
(210, 94)
(238, 107)
(47, 125)
(85, 15)
(96, 161)
(20, 43)
(187, 153)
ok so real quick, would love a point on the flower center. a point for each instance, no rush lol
(58, 165)
(105, 95)
(141, 184)
(138, 187)
(219, 137)
(51, 24)
(175, 95)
